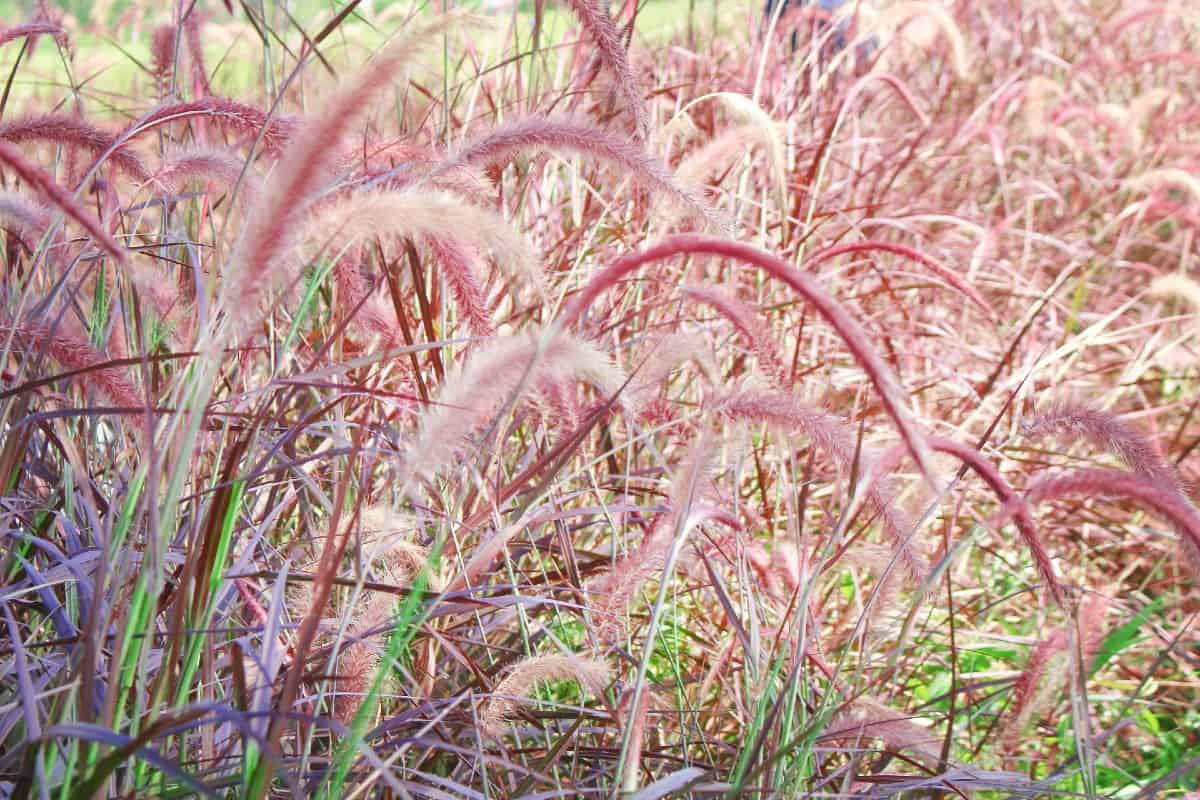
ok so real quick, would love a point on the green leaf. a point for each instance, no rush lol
(1124, 636)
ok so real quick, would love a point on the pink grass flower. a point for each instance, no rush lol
(68, 345)
(595, 18)
(886, 385)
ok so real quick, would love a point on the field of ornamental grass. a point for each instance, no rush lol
(657, 399)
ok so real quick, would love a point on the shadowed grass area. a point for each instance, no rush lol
(587, 400)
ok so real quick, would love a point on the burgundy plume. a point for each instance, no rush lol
(787, 412)
(1113, 435)
(70, 131)
(236, 118)
(560, 133)
(33, 30)
(61, 342)
(1111, 483)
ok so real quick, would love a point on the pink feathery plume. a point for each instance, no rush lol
(886, 385)
(1011, 501)
(1116, 484)
(24, 217)
(468, 294)
(374, 316)
(33, 30)
(611, 592)
(235, 118)
(191, 31)
(304, 168)
(1026, 697)
(1025, 688)
(598, 22)
(223, 166)
(62, 342)
(70, 131)
(747, 322)
(40, 181)
(868, 719)
(786, 412)
(936, 267)
(1111, 434)
(359, 657)
(162, 56)
(501, 144)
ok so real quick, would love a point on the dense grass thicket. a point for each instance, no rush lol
(572, 400)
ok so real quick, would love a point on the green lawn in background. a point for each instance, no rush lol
(108, 64)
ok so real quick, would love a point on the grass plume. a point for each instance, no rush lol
(881, 377)
(593, 674)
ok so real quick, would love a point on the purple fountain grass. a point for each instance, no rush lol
(1112, 435)
(1025, 689)
(303, 169)
(1117, 484)
(595, 18)
(902, 91)
(239, 119)
(868, 719)
(1010, 500)
(67, 130)
(191, 37)
(1107, 432)
(401, 163)
(936, 267)
(44, 184)
(610, 593)
(875, 560)
(715, 156)
(24, 217)
(563, 134)
(886, 385)
(1031, 691)
(154, 288)
(1024, 520)
(749, 324)
(34, 29)
(354, 290)
(204, 163)
(490, 377)
(593, 674)
(63, 342)
(634, 720)
(392, 547)
(779, 570)
(667, 353)
(372, 315)
(468, 294)
(792, 415)
(443, 219)
(352, 287)
(358, 658)
(162, 55)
